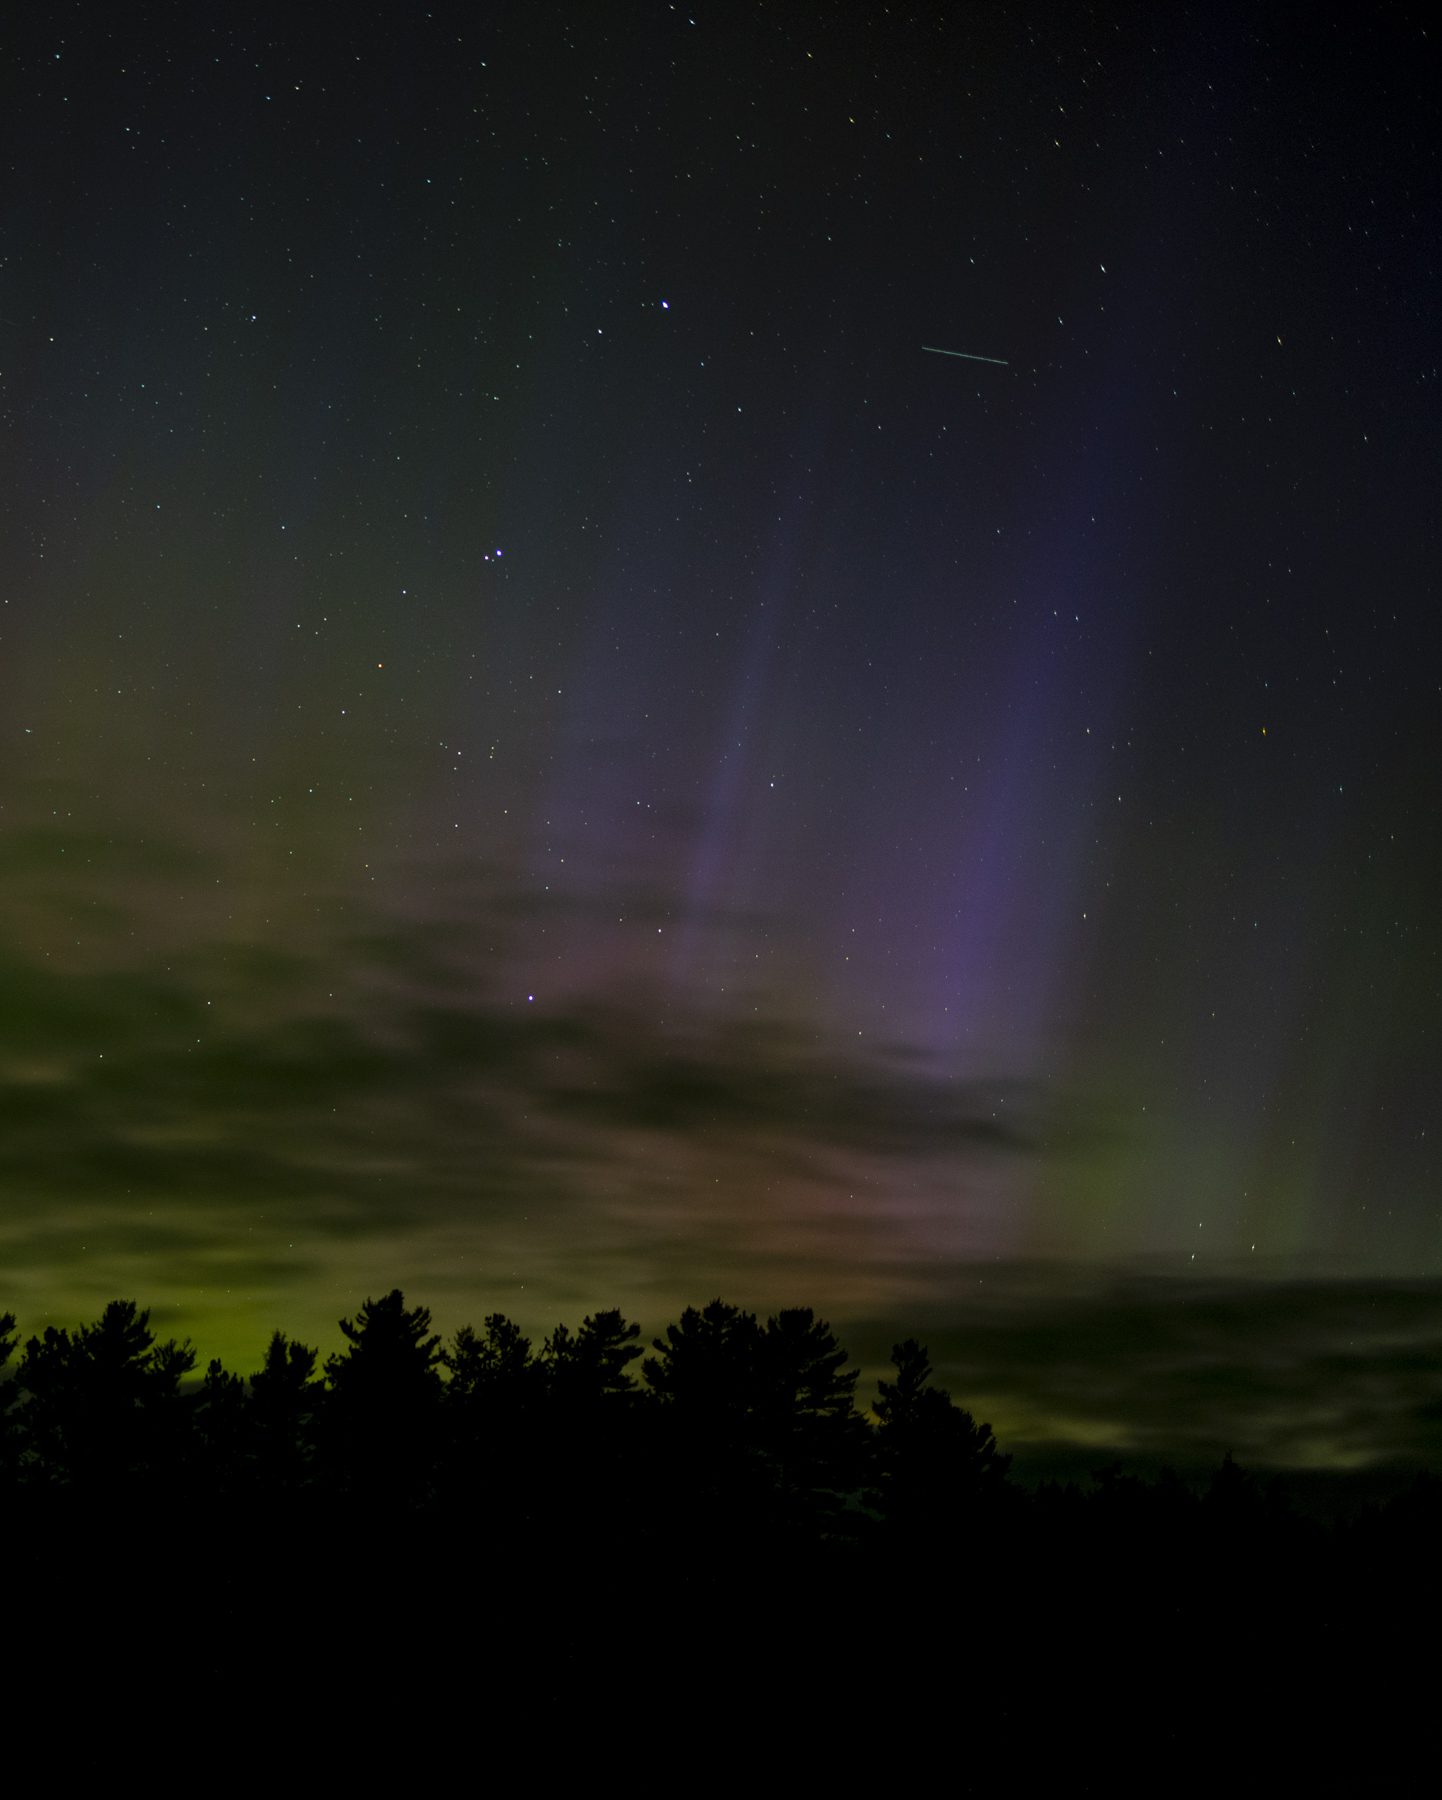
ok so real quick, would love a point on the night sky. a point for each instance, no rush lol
(552, 756)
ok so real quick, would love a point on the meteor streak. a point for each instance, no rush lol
(967, 356)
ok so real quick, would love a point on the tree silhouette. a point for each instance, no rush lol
(931, 1457)
(219, 1421)
(759, 1424)
(806, 1418)
(518, 1484)
(104, 1406)
(706, 1362)
(491, 1412)
(9, 1434)
(703, 1388)
(705, 1372)
(280, 1415)
(589, 1367)
(378, 1420)
(491, 1365)
(587, 1458)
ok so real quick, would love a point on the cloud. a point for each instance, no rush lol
(250, 1127)
(358, 1092)
(1285, 1373)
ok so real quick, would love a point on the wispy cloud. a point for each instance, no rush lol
(1318, 1373)
(360, 1093)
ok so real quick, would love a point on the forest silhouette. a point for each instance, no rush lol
(752, 1428)
(481, 1510)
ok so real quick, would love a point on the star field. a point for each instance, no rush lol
(554, 757)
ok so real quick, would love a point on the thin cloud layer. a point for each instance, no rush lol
(247, 1128)
(361, 1096)
(1285, 1374)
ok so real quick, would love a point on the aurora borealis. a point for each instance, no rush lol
(550, 756)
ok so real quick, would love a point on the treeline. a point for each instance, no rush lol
(704, 1528)
(745, 1426)
(754, 1421)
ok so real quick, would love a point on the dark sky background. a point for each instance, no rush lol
(552, 756)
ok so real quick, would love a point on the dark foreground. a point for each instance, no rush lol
(470, 1563)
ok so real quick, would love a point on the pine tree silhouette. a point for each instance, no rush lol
(379, 1416)
(588, 1458)
(703, 1388)
(104, 1406)
(490, 1364)
(932, 1459)
(807, 1423)
(280, 1416)
(706, 1368)
(492, 1417)
(590, 1366)
(220, 1433)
